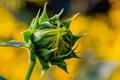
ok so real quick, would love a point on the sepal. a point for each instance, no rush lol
(45, 53)
(26, 35)
(45, 65)
(34, 23)
(73, 55)
(46, 25)
(61, 64)
(38, 35)
(76, 37)
(66, 23)
(55, 19)
(43, 16)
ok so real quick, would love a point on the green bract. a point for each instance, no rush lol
(51, 40)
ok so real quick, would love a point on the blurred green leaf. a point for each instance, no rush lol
(13, 43)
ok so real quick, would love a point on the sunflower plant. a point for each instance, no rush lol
(49, 40)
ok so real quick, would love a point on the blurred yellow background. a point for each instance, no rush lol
(100, 47)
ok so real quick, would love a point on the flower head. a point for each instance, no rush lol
(51, 40)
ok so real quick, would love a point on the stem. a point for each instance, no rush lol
(30, 69)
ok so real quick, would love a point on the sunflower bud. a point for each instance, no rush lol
(51, 40)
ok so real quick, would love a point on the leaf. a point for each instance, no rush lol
(66, 23)
(44, 65)
(43, 16)
(76, 37)
(60, 13)
(61, 64)
(45, 53)
(31, 45)
(60, 57)
(46, 25)
(74, 16)
(72, 55)
(26, 35)
(34, 24)
(13, 43)
(55, 18)
(38, 35)
(43, 43)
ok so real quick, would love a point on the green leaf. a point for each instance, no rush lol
(45, 53)
(38, 35)
(44, 65)
(31, 45)
(75, 38)
(34, 24)
(59, 57)
(74, 16)
(43, 16)
(55, 18)
(43, 43)
(66, 23)
(26, 35)
(61, 64)
(13, 44)
(72, 55)
(46, 25)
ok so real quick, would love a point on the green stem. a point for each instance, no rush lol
(30, 69)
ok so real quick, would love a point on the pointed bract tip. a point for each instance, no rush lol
(45, 6)
(38, 13)
(74, 16)
(60, 13)
(43, 16)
